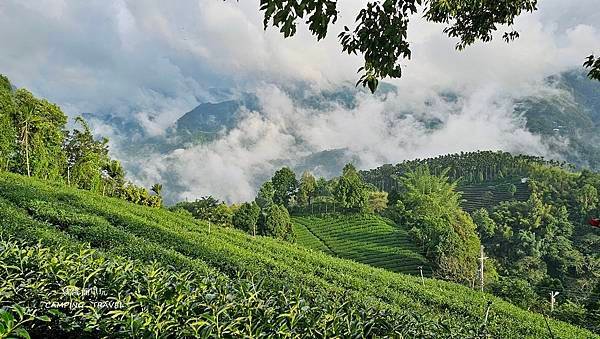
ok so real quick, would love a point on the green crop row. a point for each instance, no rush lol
(476, 196)
(62, 216)
(61, 292)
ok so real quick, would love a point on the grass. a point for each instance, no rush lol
(33, 210)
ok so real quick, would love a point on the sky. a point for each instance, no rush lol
(152, 61)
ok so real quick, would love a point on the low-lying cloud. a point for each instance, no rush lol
(376, 131)
(152, 61)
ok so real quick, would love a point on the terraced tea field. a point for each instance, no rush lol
(486, 195)
(367, 239)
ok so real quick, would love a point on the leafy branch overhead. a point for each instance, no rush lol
(594, 67)
(380, 32)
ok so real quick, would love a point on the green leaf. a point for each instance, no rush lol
(21, 332)
(19, 310)
(44, 318)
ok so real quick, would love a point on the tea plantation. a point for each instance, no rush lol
(157, 273)
(368, 239)
(492, 193)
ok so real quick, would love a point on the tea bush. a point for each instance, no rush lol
(148, 239)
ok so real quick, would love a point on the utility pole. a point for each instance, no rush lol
(422, 279)
(553, 300)
(481, 259)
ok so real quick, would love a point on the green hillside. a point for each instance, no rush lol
(368, 239)
(303, 290)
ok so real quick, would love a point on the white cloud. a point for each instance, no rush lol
(376, 131)
(154, 60)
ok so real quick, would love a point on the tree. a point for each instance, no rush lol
(246, 217)
(323, 187)
(425, 193)
(34, 142)
(517, 291)
(485, 225)
(157, 188)
(308, 186)
(264, 198)
(24, 118)
(86, 158)
(285, 186)
(203, 208)
(208, 209)
(350, 191)
(276, 222)
(7, 131)
(377, 201)
(222, 215)
(380, 35)
(41, 133)
(436, 220)
(587, 199)
(113, 176)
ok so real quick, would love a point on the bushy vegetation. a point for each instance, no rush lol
(34, 141)
(545, 245)
(270, 220)
(368, 239)
(429, 206)
(61, 292)
(531, 216)
(62, 217)
(525, 211)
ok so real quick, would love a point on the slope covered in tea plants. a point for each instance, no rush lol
(368, 239)
(62, 218)
(491, 193)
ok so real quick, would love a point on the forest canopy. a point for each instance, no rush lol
(34, 141)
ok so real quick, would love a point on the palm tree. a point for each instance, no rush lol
(157, 188)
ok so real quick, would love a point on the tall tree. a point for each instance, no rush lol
(377, 201)
(157, 188)
(246, 217)
(265, 195)
(222, 215)
(350, 191)
(114, 178)
(41, 130)
(203, 208)
(285, 185)
(308, 186)
(436, 219)
(86, 158)
(8, 134)
(276, 222)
